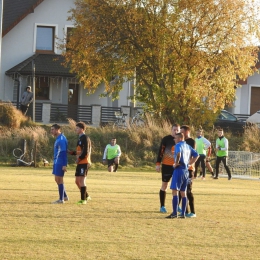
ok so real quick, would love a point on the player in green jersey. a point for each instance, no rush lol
(112, 154)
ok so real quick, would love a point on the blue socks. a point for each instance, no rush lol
(175, 202)
(61, 191)
(183, 205)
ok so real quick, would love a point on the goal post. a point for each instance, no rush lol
(242, 164)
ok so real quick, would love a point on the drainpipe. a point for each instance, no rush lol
(18, 93)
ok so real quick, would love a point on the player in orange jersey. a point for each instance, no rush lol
(165, 163)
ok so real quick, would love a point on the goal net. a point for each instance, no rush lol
(242, 164)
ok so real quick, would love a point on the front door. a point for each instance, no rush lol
(255, 97)
(73, 101)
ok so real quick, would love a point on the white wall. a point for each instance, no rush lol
(243, 101)
(19, 44)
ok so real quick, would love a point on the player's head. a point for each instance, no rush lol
(199, 132)
(80, 127)
(179, 137)
(55, 129)
(28, 88)
(175, 129)
(185, 129)
(220, 132)
(113, 141)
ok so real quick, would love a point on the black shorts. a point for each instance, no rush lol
(110, 162)
(82, 170)
(167, 171)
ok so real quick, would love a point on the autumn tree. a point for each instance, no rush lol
(185, 57)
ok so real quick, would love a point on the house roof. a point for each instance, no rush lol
(45, 65)
(16, 10)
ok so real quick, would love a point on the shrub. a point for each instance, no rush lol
(12, 117)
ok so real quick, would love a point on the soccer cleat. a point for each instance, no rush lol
(230, 178)
(66, 198)
(172, 216)
(179, 209)
(215, 178)
(163, 209)
(203, 178)
(82, 202)
(58, 202)
(181, 216)
(88, 198)
(191, 215)
(114, 170)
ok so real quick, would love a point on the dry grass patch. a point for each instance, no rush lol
(122, 219)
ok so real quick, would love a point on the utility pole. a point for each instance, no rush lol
(33, 89)
(1, 32)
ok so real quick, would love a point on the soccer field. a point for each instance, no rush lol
(122, 221)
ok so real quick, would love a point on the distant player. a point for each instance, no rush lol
(60, 161)
(202, 147)
(184, 155)
(222, 153)
(112, 155)
(165, 163)
(82, 153)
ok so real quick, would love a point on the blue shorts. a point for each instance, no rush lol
(179, 179)
(57, 170)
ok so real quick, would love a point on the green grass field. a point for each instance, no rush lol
(122, 221)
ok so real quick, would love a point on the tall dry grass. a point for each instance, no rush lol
(139, 145)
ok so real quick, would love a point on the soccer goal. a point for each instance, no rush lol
(242, 164)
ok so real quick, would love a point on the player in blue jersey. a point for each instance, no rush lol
(184, 155)
(60, 161)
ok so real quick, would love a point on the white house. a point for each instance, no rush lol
(31, 29)
(248, 96)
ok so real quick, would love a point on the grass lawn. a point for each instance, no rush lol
(122, 221)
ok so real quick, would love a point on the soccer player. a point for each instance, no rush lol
(112, 154)
(60, 162)
(185, 129)
(202, 146)
(184, 155)
(165, 163)
(222, 153)
(83, 152)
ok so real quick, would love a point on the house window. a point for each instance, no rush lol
(42, 88)
(45, 39)
(69, 35)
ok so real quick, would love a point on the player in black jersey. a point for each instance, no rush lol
(165, 163)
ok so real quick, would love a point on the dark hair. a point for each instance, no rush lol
(56, 126)
(181, 135)
(81, 125)
(185, 127)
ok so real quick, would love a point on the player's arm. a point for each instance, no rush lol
(118, 151)
(207, 143)
(105, 154)
(194, 156)
(209, 152)
(84, 147)
(63, 153)
(225, 148)
(160, 155)
(177, 160)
